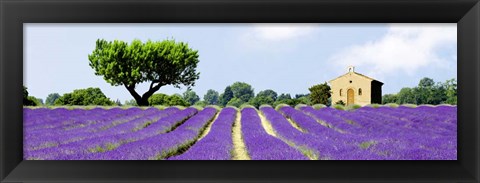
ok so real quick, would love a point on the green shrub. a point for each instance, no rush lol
(392, 105)
(339, 107)
(409, 105)
(352, 107)
(318, 106)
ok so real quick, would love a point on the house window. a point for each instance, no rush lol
(359, 91)
(340, 92)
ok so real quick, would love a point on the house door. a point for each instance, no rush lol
(350, 96)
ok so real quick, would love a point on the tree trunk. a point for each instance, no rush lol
(142, 102)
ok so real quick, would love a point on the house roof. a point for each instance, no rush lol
(356, 74)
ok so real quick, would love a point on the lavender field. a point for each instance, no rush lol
(305, 133)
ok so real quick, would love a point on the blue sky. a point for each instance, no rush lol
(288, 58)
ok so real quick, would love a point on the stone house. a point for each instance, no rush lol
(356, 88)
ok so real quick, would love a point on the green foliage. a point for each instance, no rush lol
(451, 91)
(158, 99)
(131, 102)
(319, 106)
(118, 103)
(303, 100)
(226, 96)
(158, 62)
(28, 100)
(320, 93)
(89, 96)
(201, 103)
(284, 96)
(190, 96)
(242, 91)
(51, 98)
(25, 92)
(301, 95)
(212, 97)
(260, 100)
(40, 101)
(32, 101)
(166, 100)
(427, 92)
(177, 100)
(268, 93)
(235, 102)
(391, 105)
(374, 105)
(389, 98)
(352, 107)
(339, 107)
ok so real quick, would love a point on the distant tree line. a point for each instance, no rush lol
(426, 92)
(237, 94)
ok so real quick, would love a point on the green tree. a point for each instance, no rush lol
(51, 98)
(226, 96)
(201, 103)
(118, 103)
(29, 100)
(451, 91)
(235, 102)
(320, 93)
(297, 96)
(190, 96)
(211, 97)
(158, 99)
(389, 98)
(303, 100)
(131, 102)
(158, 62)
(242, 91)
(176, 99)
(261, 100)
(89, 96)
(40, 101)
(284, 96)
(407, 96)
(268, 93)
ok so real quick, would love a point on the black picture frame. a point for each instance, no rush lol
(466, 13)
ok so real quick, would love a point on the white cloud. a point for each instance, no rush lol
(274, 37)
(404, 49)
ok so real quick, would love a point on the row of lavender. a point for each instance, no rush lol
(174, 134)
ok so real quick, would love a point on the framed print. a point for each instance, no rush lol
(305, 91)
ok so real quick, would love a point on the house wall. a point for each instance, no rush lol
(357, 82)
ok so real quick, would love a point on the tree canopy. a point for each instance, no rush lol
(158, 62)
(226, 96)
(320, 93)
(89, 96)
(242, 91)
(190, 96)
(164, 99)
(268, 93)
(426, 92)
(51, 98)
(211, 97)
(29, 100)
